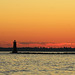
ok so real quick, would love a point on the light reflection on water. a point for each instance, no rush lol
(37, 64)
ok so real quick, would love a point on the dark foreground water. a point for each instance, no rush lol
(37, 64)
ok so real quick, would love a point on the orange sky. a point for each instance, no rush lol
(37, 21)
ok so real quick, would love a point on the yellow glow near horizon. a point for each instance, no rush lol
(37, 20)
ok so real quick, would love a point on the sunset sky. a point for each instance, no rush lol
(48, 23)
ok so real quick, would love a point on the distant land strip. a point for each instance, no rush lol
(42, 50)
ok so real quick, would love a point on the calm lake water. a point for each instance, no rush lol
(37, 64)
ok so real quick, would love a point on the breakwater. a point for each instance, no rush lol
(29, 50)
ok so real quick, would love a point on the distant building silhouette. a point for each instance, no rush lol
(14, 47)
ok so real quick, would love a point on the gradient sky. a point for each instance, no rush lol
(37, 21)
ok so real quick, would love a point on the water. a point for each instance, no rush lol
(37, 64)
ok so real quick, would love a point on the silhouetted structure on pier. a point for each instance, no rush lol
(14, 47)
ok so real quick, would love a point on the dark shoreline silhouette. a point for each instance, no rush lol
(42, 50)
(37, 50)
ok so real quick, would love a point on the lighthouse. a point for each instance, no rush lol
(14, 47)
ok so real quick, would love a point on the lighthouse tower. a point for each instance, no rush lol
(14, 47)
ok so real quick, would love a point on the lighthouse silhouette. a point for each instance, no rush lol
(14, 47)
